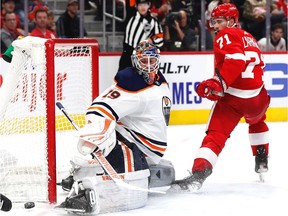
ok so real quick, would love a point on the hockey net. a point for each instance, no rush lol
(36, 140)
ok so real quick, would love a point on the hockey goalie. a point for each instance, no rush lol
(127, 125)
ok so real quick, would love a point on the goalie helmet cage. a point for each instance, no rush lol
(41, 73)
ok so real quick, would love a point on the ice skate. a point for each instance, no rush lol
(191, 183)
(261, 162)
(67, 183)
(83, 202)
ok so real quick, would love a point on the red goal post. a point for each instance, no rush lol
(36, 140)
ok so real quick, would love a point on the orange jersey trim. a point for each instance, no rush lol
(152, 146)
(128, 158)
(107, 113)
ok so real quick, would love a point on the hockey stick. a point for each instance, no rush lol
(221, 94)
(103, 161)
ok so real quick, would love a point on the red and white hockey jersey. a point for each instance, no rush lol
(142, 111)
(239, 61)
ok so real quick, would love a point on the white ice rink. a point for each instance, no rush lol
(233, 189)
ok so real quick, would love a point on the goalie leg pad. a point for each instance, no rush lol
(115, 198)
(161, 174)
(109, 196)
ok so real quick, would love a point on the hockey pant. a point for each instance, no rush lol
(126, 157)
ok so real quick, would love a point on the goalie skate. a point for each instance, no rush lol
(83, 202)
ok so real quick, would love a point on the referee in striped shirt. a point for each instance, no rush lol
(141, 26)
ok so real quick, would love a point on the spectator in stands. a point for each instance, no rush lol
(283, 8)
(276, 42)
(35, 5)
(8, 6)
(51, 24)
(68, 24)
(178, 35)
(19, 10)
(254, 12)
(195, 7)
(9, 32)
(141, 26)
(8, 54)
(160, 9)
(176, 5)
(41, 21)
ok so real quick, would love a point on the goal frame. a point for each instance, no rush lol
(50, 102)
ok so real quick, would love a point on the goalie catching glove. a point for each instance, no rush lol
(99, 135)
(211, 89)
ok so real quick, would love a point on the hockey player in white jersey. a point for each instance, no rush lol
(127, 124)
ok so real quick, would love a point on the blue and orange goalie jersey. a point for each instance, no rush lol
(142, 111)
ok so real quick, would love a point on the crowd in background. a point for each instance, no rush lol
(42, 21)
(180, 21)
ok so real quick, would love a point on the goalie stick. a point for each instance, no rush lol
(103, 161)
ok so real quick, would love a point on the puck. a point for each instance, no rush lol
(29, 205)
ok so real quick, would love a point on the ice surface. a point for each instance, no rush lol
(233, 189)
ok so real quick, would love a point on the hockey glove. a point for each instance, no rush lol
(99, 135)
(210, 89)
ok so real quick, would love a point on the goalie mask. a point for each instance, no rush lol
(146, 59)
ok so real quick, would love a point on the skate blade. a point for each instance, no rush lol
(69, 210)
(261, 177)
(261, 172)
(191, 188)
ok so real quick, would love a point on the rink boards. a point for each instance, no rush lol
(185, 70)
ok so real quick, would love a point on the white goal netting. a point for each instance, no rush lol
(28, 132)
